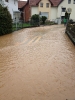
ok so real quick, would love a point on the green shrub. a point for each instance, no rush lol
(35, 19)
(43, 19)
(5, 21)
(67, 15)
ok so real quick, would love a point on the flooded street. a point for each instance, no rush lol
(37, 64)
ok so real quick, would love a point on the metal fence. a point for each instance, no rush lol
(17, 25)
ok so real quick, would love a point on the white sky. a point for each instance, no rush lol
(23, 0)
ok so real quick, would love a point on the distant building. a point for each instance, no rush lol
(52, 9)
(21, 5)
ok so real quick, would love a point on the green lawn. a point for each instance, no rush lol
(20, 26)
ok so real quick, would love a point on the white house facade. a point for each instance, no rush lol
(12, 6)
(64, 5)
(59, 11)
(53, 14)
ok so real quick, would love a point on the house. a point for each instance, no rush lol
(21, 5)
(41, 7)
(63, 6)
(12, 6)
(52, 9)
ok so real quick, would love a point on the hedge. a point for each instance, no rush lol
(5, 21)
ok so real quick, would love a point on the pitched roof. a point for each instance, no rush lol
(21, 4)
(34, 2)
(53, 2)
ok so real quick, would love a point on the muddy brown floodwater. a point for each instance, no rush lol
(37, 64)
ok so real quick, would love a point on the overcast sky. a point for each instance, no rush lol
(23, 0)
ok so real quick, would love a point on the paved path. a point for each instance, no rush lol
(37, 64)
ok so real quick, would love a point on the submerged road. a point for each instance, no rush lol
(37, 64)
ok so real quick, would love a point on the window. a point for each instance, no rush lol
(73, 1)
(6, 0)
(63, 9)
(47, 5)
(41, 4)
(69, 1)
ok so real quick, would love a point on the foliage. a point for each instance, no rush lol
(35, 19)
(5, 21)
(20, 26)
(43, 19)
(67, 15)
(70, 21)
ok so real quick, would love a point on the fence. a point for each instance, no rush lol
(17, 25)
(70, 30)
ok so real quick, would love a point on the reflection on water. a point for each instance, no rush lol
(37, 64)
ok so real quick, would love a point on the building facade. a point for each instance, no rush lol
(63, 7)
(52, 9)
(12, 6)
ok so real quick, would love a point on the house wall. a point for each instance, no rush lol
(53, 13)
(34, 10)
(27, 13)
(44, 8)
(65, 4)
(11, 6)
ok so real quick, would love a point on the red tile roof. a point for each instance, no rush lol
(33, 2)
(21, 4)
(53, 2)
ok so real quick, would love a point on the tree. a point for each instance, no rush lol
(43, 19)
(35, 19)
(5, 21)
(66, 15)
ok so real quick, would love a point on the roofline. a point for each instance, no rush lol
(40, 0)
(60, 2)
(22, 7)
(26, 4)
(48, 0)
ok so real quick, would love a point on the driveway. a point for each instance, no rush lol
(37, 64)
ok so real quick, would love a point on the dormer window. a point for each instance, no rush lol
(41, 4)
(69, 1)
(73, 1)
(6, 0)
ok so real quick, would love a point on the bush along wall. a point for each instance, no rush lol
(43, 18)
(35, 20)
(5, 21)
